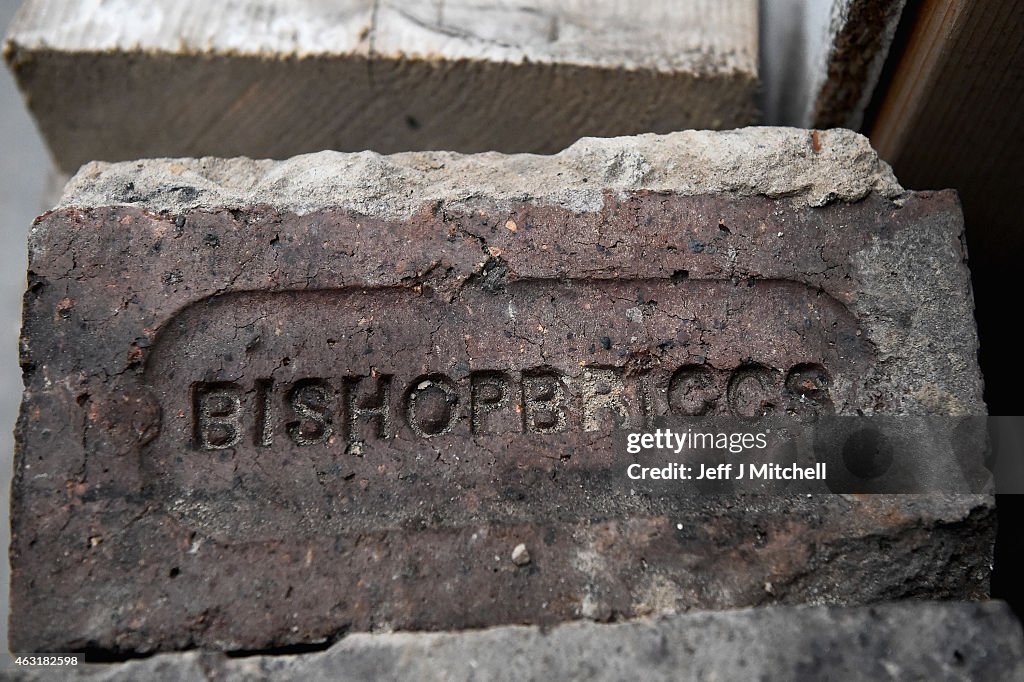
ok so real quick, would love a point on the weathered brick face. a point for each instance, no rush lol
(250, 427)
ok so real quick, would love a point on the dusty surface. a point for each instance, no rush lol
(927, 641)
(808, 169)
(697, 36)
(248, 427)
(271, 78)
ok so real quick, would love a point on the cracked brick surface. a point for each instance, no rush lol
(249, 426)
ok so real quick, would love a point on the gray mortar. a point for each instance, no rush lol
(774, 162)
(926, 641)
(928, 366)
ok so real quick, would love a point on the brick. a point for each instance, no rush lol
(928, 641)
(268, 403)
(273, 78)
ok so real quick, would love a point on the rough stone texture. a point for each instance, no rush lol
(273, 78)
(919, 641)
(199, 458)
(809, 169)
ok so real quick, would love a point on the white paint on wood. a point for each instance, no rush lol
(293, 27)
(794, 51)
(123, 79)
(692, 35)
(799, 47)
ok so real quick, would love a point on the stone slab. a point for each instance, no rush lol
(267, 404)
(920, 641)
(274, 78)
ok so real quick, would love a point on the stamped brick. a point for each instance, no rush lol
(269, 403)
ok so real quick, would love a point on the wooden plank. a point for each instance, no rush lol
(270, 78)
(822, 59)
(920, 67)
(860, 36)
